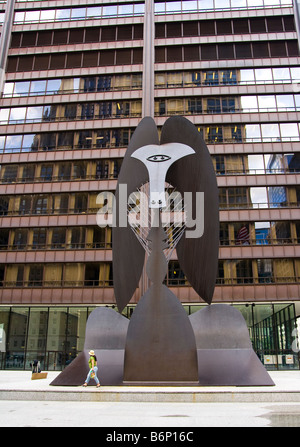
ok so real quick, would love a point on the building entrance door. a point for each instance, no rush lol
(54, 361)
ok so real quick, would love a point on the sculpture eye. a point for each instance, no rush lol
(158, 158)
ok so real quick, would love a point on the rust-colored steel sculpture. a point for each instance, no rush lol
(161, 345)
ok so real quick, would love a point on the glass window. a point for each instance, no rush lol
(139, 8)
(270, 132)
(159, 8)
(62, 14)
(255, 164)
(281, 75)
(189, 5)
(77, 317)
(17, 115)
(13, 142)
(19, 17)
(289, 132)
(255, 3)
(173, 7)
(4, 114)
(109, 11)
(37, 336)
(32, 16)
(37, 87)
(17, 336)
(238, 4)
(264, 270)
(47, 15)
(53, 86)
(8, 88)
(263, 75)
(277, 196)
(21, 88)
(247, 76)
(262, 233)
(283, 232)
(285, 103)
(125, 10)
(297, 101)
(28, 142)
(222, 4)
(295, 73)
(205, 4)
(292, 162)
(274, 163)
(56, 338)
(258, 196)
(243, 271)
(93, 11)
(252, 132)
(34, 114)
(266, 103)
(77, 13)
(2, 142)
(249, 103)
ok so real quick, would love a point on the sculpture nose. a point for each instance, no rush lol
(157, 160)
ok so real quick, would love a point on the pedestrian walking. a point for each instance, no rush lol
(93, 369)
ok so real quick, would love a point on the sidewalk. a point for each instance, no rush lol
(17, 385)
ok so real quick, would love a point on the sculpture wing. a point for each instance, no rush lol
(198, 258)
(128, 254)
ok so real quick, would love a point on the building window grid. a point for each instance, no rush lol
(231, 234)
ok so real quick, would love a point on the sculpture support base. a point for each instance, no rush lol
(224, 354)
(161, 348)
(224, 349)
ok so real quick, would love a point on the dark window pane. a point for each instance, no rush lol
(16, 40)
(76, 35)
(289, 23)
(160, 30)
(174, 54)
(260, 49)
(123, 57)
(138, 31)
(224, 27)
(57, 61)
(174, 29)
(60, 37)
(240, 26)
(257, 25)
(160, 54)
(41, 62)
(137, 56)
(124, 32)
(73, 60)
(25, 63)
(12, 64)
(92, 34)
(226, 51)
(191, 52)
(190, 28)
(207, 28)
(274, 24)
(208, 52)
(242, 50)
(90, 59)
(29, 39)
(44, 38)
(293, 48)
(108, 33)
(278, 49)
(107, 57)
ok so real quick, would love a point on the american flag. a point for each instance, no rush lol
(243, 236)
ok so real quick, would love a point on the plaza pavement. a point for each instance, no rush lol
(34, 403)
